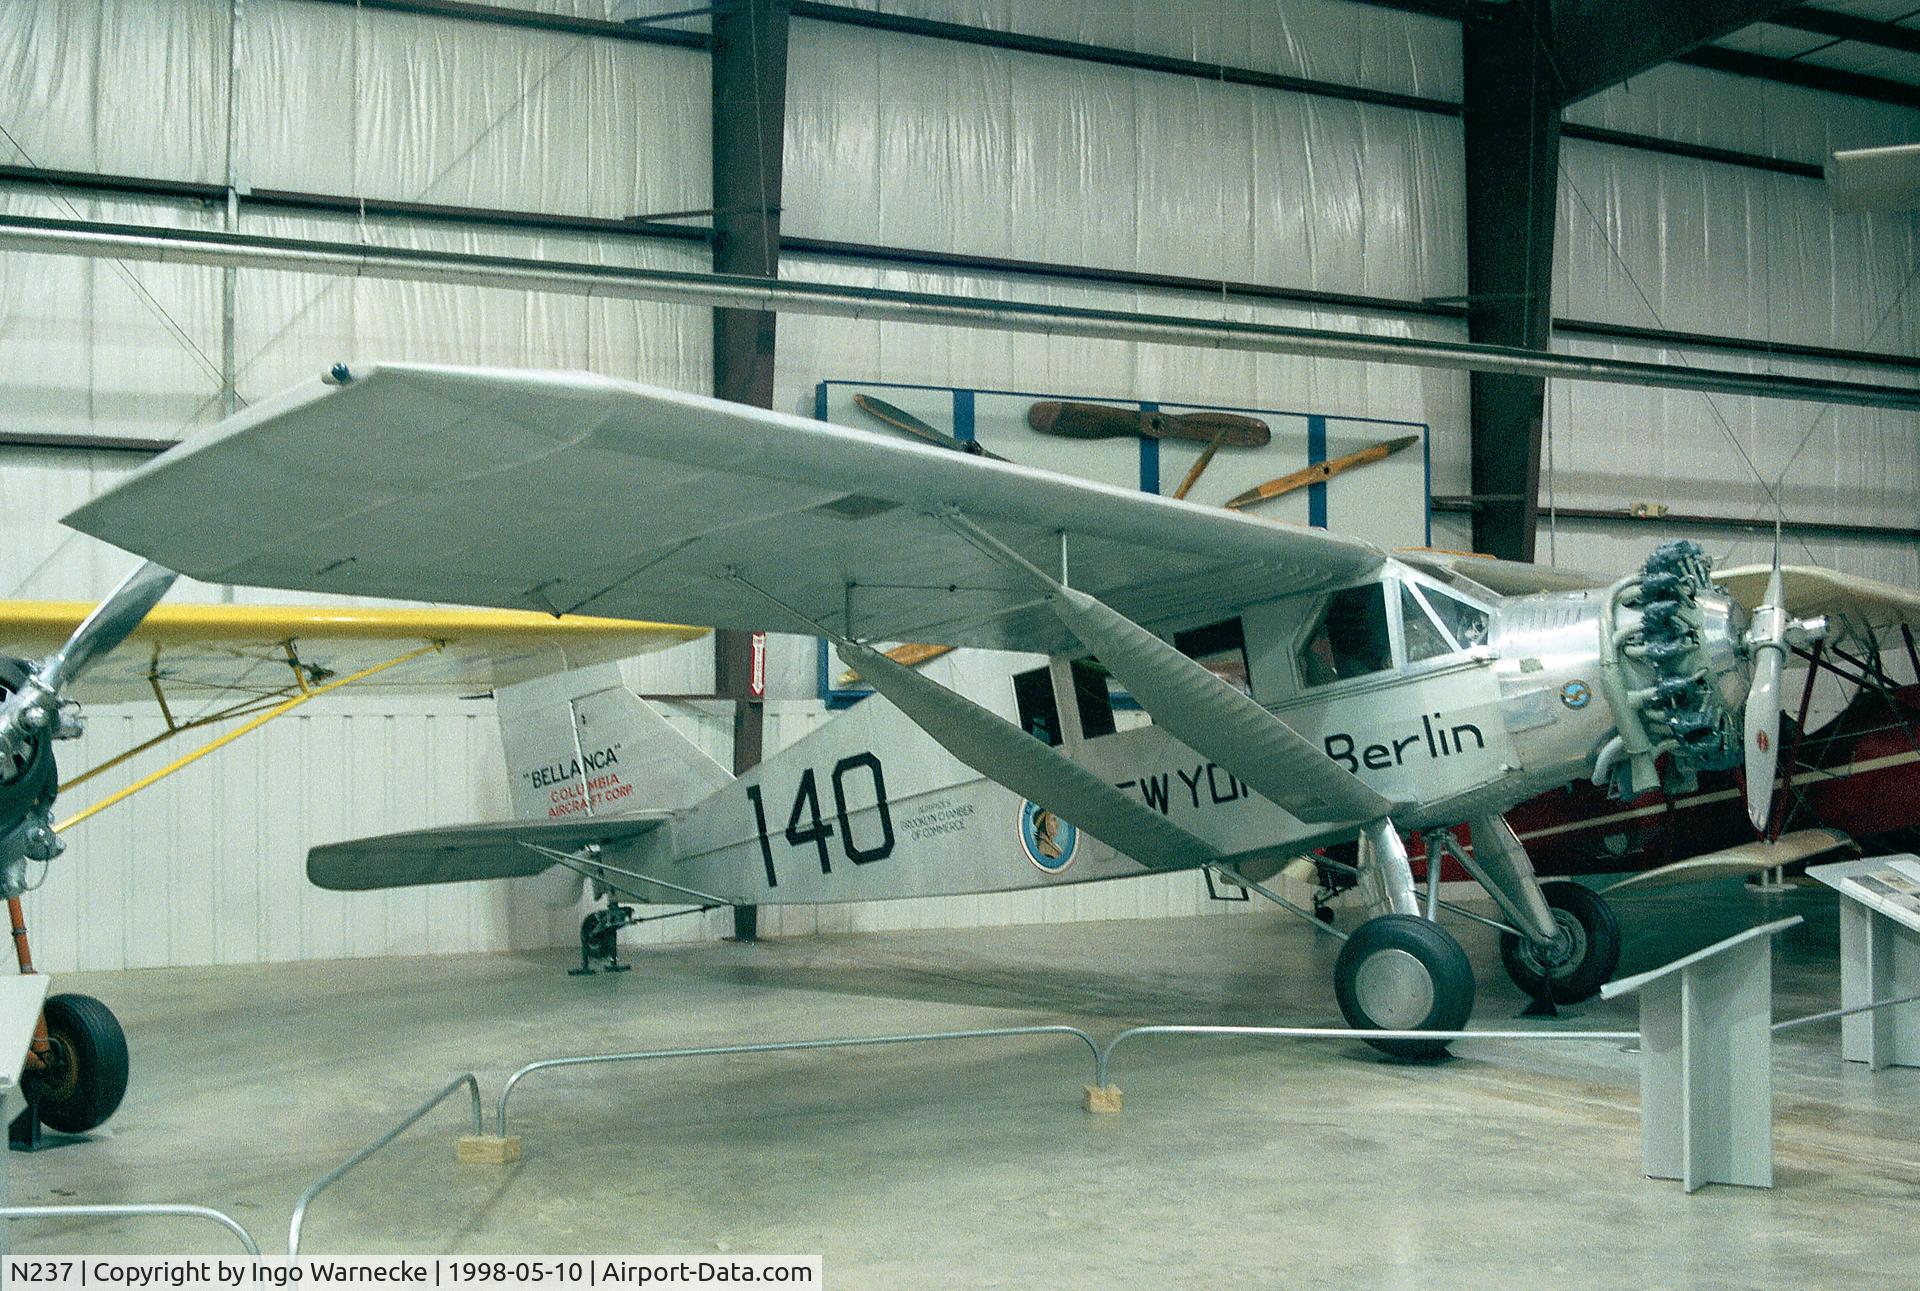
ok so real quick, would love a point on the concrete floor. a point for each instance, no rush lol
(1235, 1163)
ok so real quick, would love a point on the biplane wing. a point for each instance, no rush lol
(578, 493)
(1864, 607)
(260, 662)
(250, 650)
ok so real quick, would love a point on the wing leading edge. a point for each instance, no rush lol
(246, 648)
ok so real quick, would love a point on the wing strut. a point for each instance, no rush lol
(186, 760)
(1009, 756)
(1199, 709)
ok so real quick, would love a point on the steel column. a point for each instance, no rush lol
(1512, 142)
(749, 130)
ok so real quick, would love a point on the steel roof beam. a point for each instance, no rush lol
(1600, 43)
(172, 245)
(1845, 26)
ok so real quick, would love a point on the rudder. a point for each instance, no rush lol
(581, 744)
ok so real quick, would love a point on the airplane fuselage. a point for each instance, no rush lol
(870, 806)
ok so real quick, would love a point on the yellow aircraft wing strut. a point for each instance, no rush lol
(177, 764)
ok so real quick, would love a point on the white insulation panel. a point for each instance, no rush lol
(891, 140)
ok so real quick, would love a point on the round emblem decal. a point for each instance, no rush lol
(1576, 694)
(1048, 841)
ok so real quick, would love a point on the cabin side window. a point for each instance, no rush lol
(1423, 634)
(1466, 623)
(1220, 648)
(1038, 705)
(1039, 714)
(1349, 639)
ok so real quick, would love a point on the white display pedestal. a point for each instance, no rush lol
(1879, 958)
(1706, 1062)
(21, 998)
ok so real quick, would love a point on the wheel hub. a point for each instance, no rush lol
(1564, 954)
(58, 1075)
(1394, 989)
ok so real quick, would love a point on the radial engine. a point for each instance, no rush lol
(1673, 667)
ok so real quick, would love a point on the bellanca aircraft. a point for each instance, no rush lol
(1304, 688)
(208, 666)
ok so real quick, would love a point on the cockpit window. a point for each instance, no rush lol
(1467, 623)
(1424, 638)
(1350, 639)
(1220, 648)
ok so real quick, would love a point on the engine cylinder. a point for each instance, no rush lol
(28, 780)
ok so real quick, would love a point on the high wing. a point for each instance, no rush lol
(249, 648)
(566, 492)
(1865, 607)
(1502, 577)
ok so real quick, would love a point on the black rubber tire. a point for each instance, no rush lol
(1600, 931)
(90, 1077)
(1448, 973)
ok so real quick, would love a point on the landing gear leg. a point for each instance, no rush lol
(1399, 971)
(600, 940)
(1568, 943)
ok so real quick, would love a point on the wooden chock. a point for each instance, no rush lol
(1103, 1099)
(489, 1149)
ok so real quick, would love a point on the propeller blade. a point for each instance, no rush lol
(1768, 638)
(901, 419)
(1763, 735)
(111, 622)
(1104, 421)
(1319, 473)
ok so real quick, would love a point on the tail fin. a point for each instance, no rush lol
(581, 744)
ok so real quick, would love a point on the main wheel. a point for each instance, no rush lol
(85, 1075)
(1582, 959)
(1399, 972)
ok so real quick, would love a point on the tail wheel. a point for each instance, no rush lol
(85, 1074)
(1584, 955)
(1399, 972)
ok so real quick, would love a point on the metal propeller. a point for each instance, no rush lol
(35, 706)
(1767, 639)
(1769, 635)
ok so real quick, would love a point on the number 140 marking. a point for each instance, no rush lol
(805, 825)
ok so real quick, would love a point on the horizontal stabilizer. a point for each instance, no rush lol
(1009, 756)
(1213, 719)
(461, 853)
(1732, 862)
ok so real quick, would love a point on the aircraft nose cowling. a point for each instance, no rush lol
(1723, 630)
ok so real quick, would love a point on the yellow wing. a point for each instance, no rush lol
(251, 649)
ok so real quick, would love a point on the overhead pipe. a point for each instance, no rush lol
(678, 287)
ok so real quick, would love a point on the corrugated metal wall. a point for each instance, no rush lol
(892, 140)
